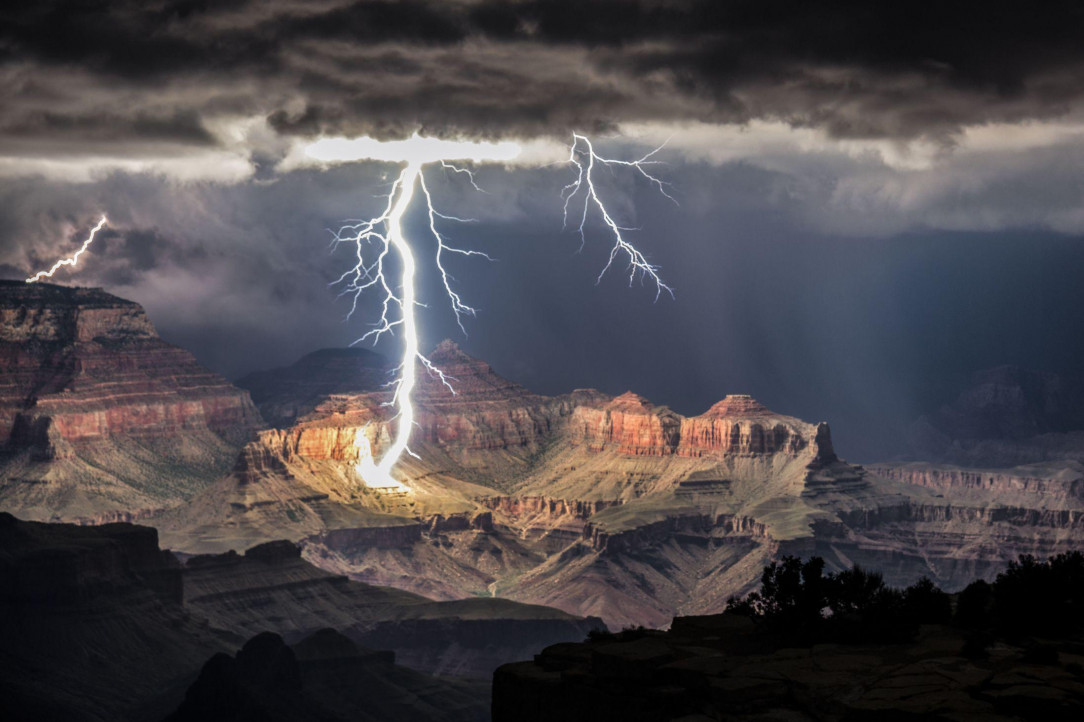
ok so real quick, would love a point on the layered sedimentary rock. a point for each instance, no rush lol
(739, 425)
(100, 418)
(577, 501)
(629, 423)
(81, 365)
(612, 507)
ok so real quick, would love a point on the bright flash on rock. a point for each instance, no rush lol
(367, 469)
(379, 239)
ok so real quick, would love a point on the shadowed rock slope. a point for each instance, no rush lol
(98, 623)
(99, 418)
(323, 677)
(271, 587)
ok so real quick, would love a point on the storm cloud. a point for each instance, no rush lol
(835, 164)
(169, 73)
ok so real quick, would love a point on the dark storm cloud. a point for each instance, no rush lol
(903, 126)
(162, 70)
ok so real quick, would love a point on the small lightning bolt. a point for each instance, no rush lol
(378, 239)
(73, 259)
(585, 159)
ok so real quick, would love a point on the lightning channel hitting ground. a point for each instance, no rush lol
(71, 260)
(378, 240)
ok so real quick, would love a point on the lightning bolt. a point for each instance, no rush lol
(379, 239)
(73, 259)
(583, 157)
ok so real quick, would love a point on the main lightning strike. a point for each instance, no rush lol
(376, 239)
(71, 260)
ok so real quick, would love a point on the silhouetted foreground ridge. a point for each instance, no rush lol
(830, 646)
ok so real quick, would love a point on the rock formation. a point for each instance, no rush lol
(1006, 416)
(100, 418)
(285, 394)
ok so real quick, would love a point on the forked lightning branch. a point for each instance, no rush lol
(380, 244)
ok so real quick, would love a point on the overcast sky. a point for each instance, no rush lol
(871, 204)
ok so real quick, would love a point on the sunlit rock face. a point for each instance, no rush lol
(98, 415)
(629, 423)
(741, 425)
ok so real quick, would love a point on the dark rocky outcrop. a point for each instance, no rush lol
(718, 667)
(323, 677)
(98, 623)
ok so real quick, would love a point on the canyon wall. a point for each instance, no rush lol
(101, 418)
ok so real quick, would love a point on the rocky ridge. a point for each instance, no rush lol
(99, 417)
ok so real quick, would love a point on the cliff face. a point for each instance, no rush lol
(736, 426)
(629, 424)
(742, 426)
(93, 365)
(94, 405)
(612, 507)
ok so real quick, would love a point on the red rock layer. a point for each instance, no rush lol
(737, 425)
(79, 364)
(629, 423)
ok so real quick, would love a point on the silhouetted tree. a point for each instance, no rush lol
(975, 606)
(1043, 598)
(924, 603)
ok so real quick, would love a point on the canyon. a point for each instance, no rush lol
(605, 507)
